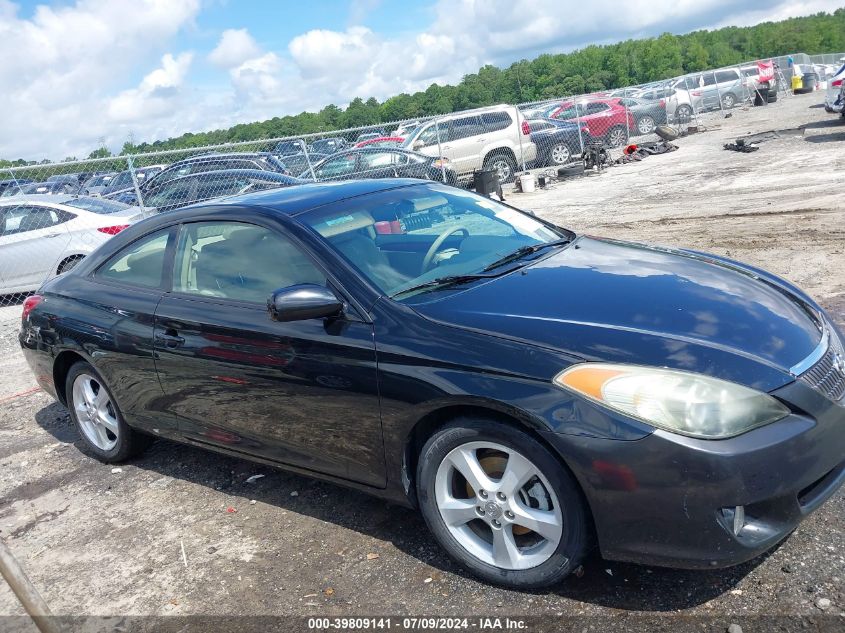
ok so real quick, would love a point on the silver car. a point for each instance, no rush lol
(41, 236)
(715, 85)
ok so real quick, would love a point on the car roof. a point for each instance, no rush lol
(218, 173)
(310, 195)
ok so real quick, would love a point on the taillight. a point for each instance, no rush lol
(663, 103)
(29, 305)
(836, 82)
(696, 93)
(113, 230)
(526, 129)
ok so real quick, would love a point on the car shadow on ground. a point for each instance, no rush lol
(608, 584)
(826, 138)
(834, 122)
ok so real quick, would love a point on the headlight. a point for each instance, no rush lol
(677, 401)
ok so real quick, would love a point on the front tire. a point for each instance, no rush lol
(501, 504)
(616, 137)
(97, 417)
(728, 100)
(683, 113)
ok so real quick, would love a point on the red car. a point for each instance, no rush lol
(382, 140)
(607, 119)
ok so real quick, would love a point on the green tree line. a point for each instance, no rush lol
(547, 76)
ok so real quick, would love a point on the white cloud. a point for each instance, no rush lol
(157, 94)
(77, 71)
(234, 48)
(65, 63)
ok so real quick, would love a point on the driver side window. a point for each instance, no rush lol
(238, 261)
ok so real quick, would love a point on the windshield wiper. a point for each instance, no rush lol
(526, 250)
(448, 280)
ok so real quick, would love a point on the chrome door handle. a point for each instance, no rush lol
(53, 235)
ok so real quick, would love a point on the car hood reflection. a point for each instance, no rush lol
(606, 300)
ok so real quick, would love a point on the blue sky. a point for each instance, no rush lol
(86, 70)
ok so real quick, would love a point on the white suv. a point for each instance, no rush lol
(496, 138)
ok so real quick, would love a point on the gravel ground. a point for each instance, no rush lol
(102, 541)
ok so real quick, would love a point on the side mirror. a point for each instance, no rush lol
(529, 212)
(418, 145)
(302, 302)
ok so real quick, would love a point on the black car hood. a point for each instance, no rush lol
(600, 299)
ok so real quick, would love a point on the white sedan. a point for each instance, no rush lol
(44, 236)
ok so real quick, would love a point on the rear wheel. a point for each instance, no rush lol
(503, 165)
(560, 154)
(646, 125)
(98, 418)
(728, 100)
(501, 504)
(683, 113)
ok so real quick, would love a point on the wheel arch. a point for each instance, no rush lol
(61, 366)
(435, 419)
(501, 150)
(67, 258)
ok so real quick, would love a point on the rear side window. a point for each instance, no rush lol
(465, 127)
(726, 75)
(139, 264)
(494, 121)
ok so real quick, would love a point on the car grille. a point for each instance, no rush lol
(827, 375)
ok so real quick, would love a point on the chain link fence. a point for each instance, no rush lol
(54, 214)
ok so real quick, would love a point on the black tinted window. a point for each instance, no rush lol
(465, 127)
(726, 75)
(237, 261)
(492, 121)
(139, 264)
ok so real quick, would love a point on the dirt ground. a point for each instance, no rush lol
(157, 536)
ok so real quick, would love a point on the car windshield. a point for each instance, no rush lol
(403, 238)
(97, 205)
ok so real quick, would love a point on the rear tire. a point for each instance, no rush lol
(482, 520)
(559, 154)
(646, 124)
(503, 165)
(683, 114)
(97, 417)
(728, 100)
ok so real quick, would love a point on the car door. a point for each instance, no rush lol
(32, 241)
(466, 143)
(303, 393)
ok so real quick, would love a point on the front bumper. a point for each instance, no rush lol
(660, 500)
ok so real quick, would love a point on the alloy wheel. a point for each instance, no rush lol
(502, 168)
(684, 113)
(728, 100)
(95, 412)
(560, 154)
(498, 505)
(616, 137)
(646, 125)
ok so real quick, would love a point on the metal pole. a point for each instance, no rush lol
(578, 124)
(135, 181)
(440, 149)
(519, 136)
(627, 119)
(304, 146)
(718, 93)
(25, 591)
